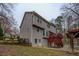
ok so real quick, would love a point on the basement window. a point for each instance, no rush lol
(39, 40)
(35, 41)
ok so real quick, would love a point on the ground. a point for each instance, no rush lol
(19, 50)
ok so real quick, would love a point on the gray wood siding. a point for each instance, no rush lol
(28, 31)
(25, 31)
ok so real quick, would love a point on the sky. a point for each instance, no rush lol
(47, 10)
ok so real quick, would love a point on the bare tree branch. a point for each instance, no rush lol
(73, 11)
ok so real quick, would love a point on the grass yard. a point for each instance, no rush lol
(17, 50)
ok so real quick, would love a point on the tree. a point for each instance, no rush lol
(1, 33)
(71, 13)
(6, 7)
(58, 22)
(6, 10)
(71, 9)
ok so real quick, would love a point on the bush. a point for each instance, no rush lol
(1, 37)
(20, 40)
(23, 41)
(18, 37)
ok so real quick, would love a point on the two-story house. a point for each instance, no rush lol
(36, 29)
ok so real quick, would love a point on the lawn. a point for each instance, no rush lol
(19, 50)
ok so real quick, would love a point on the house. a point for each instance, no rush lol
(35, 29)
(73, 27)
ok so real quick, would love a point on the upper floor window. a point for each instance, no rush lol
(39, 40)
(37, 29)
(43, 32)
(40, 21)
(47, 33)
(37, 19)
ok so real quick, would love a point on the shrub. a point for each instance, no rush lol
(56, 39)
(20, 40)
(23, 40)
(1, 37)
(18, 37)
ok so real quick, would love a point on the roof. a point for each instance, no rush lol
(33, 12)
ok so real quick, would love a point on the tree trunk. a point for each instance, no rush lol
(72, 43)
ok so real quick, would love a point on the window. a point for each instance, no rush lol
(37, 29)
(40, 21)
(43, 32)
(39, 40)
(35, 41)
(46, 33)
(37, 19)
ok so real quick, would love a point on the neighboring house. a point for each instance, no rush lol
(35, 29)
(73, 25)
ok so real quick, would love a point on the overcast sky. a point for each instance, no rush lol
(47, 10)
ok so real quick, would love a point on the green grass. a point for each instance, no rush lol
(18, 50)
